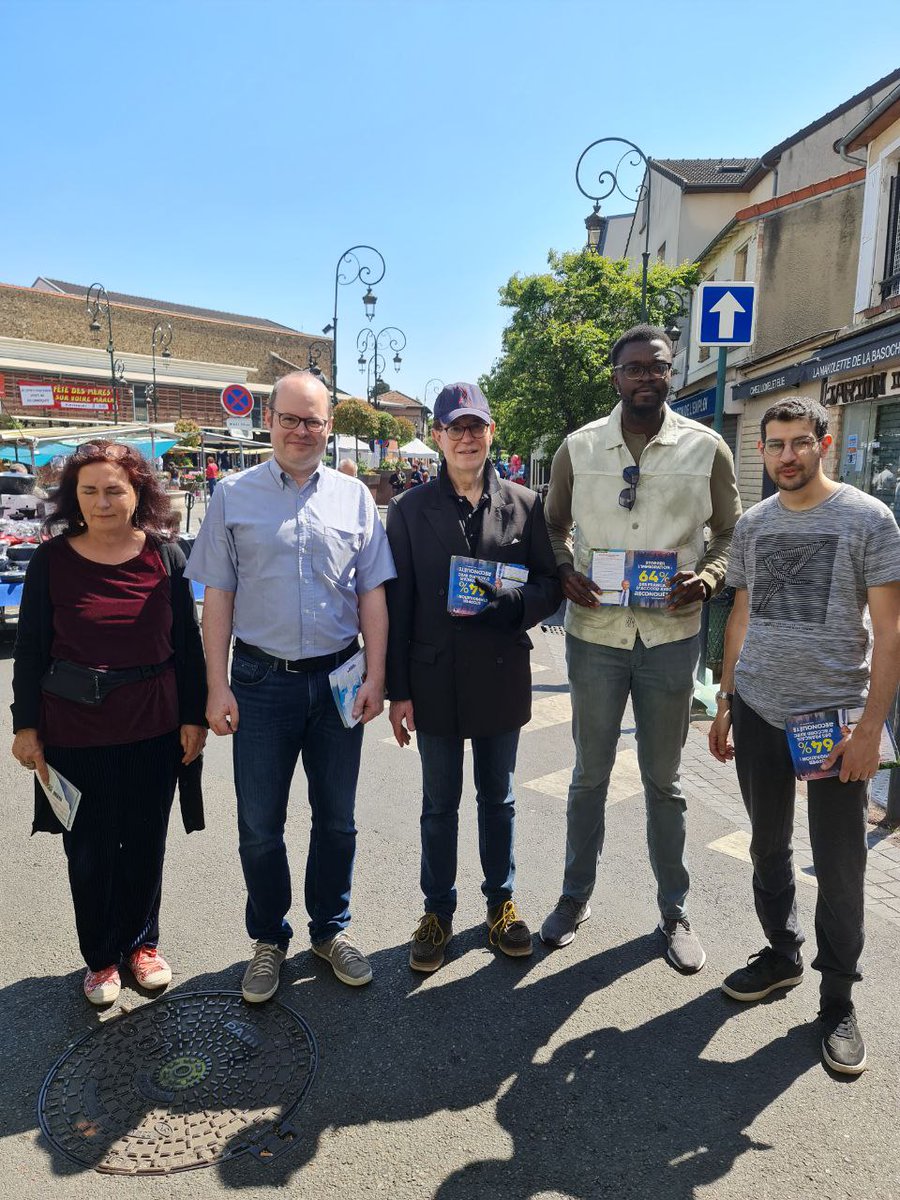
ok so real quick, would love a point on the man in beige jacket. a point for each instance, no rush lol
(678, 478)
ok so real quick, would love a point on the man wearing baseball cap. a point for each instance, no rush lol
(453, 678)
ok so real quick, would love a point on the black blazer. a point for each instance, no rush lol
(463, 678)
(32, 657)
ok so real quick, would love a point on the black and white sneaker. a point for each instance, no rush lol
(843, 1048)
(765, 972)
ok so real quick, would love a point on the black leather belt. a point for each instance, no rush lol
(323, 662)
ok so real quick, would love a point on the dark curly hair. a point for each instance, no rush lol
(153, 513)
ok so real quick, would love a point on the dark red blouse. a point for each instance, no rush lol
(111, 617)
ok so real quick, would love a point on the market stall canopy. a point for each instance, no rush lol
(43, 445)
(417, 449)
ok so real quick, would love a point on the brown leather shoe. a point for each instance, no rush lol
(426, 950)
(507, 931)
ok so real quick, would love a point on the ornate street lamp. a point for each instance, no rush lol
(349, 269)
(161, 339)
(97, 304)
(608, 182)
(367, 344)
(438, 385)
(315, 351)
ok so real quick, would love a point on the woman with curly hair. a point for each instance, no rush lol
(109, 689)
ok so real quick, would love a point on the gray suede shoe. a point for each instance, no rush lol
(684, 949)
(559, 928)
(260, 980)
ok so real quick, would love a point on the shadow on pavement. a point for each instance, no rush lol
(637, 1112)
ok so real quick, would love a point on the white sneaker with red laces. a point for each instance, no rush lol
(149, 968)
(102, 987)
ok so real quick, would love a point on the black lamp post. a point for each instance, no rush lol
(97, 304)
(349, 269)
(608, 182)
(160, 339)
(314, 354)
(367, 345)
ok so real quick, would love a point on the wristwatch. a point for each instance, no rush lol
(729, 696)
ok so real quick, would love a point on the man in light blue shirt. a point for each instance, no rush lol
(294, 559)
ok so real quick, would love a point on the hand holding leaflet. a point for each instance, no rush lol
(346, 680)
(62, 795)
(474, 582)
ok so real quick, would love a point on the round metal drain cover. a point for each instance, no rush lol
(185, 1082)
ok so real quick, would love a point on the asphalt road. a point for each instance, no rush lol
(594, 1071)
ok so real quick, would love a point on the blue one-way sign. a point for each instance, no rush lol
(726, 314)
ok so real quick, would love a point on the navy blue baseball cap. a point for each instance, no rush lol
(461, 400)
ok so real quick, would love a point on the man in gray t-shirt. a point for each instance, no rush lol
(806, 565)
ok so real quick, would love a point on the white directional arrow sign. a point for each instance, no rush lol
(726, 310)
(726, 313)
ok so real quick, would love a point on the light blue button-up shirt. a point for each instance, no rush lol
(296, 558)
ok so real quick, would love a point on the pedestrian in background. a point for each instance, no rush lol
(452, 679)
(109, 690)
(348, 467)
(294, 558)
(212, 475)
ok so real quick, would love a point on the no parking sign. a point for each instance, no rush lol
(237, 400)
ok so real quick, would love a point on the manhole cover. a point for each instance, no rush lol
(182, 1083)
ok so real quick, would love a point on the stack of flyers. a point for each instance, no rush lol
(812, 736)
(641, 578)
(465, 591)
(63, 797)
(346, 680)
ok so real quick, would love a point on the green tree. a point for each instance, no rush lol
(406, 431)
(356, 419)
(386, 426)
(554, 373)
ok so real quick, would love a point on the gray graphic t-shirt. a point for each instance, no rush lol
(806, 574)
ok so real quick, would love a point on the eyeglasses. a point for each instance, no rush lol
(628, 495)
(657, 370)
(113, 450)
(457, 432)
(289, 421)
(800, 445)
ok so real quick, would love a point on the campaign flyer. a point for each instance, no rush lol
(641, 578)
(468, 576)
(346, 680)
(812, 736)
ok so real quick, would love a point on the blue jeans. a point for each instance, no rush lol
(442, 780)
(661, 682)
(283, 716)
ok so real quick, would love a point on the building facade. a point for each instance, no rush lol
(52, 364)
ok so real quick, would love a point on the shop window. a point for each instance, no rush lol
(885, 478)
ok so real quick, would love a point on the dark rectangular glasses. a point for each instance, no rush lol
(628, 495)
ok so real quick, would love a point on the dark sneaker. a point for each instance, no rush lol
(683, 948)
(349, 964)
(260, 980)
(507, 931)
(843, 1048)
(764, 973)
(559, 928)
(426, 950)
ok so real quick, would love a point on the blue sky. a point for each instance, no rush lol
(225, 153)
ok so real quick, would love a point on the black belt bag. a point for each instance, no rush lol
(85, 685)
